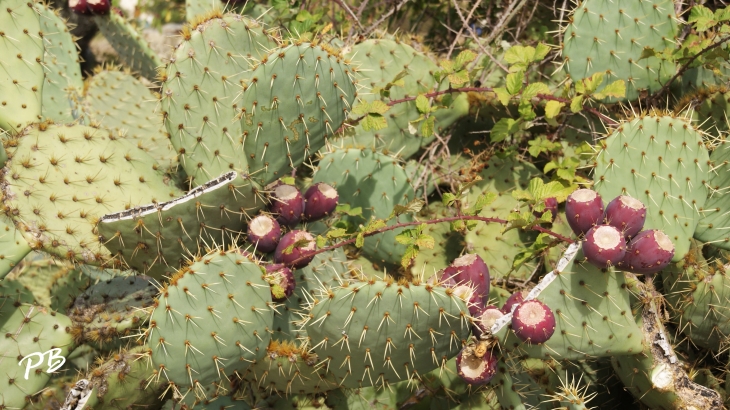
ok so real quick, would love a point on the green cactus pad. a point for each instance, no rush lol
(30, 329)
(62, 80)
(212, 319)
(376, 183)
(381, 332)
(61, 179)
(134, 51)
(498, 249)
(13, 294)
(159, 238)
(292, 101)
(592, 314)
(698, 293)
(287, 369)
(121, 103)
(326, 268)
(199, 8)
(661, 161)
(121, 380)
(22, 75)
(109, 311)
(54, 282)
(14, 246)
(380, 62)
(201, 89)
(610, 36)
(714, 227)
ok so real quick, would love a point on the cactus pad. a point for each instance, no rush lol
(713, 227)
(610, 36)
(212, 319)
(60, 179)
(133, 50)
(381, 332)
(121, 103)
(661, 161)
(158, 238)
(375, 182)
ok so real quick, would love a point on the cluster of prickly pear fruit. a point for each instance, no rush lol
(276, 214)
(613, 236)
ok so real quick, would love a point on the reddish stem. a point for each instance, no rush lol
(429, 222)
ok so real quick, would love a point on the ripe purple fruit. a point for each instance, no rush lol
(79, 7)
(100, 7)
(627, 214)
(533, 322)
(320, 201)
(305, 245)
(476, 365)
(604, 246)
(514, 299)
(583, 209)
(281, 280)
(288, 204)
(649, 252)
(264, 233)
(484, 320)
(551, 205)
(470, 269)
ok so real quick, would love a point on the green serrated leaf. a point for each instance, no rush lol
(447, 65)
(373, 122)
(360, 240)
(378, 107)
(502, 95)
(514, 82)
(448, 199)
(410, 254)
(541, 51)
(552, 108)
(503, 129)
(459, 78)
(425, 241)
(576, 104)
(519, 56)
(616, 89)
(321, 241)
(465, 57)
(428, 126)
(422, 104)
(374, 225)
(702, 18)
(287, 180)
(336, 233)
(533, 89)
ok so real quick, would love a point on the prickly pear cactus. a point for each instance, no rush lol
(610, 37)
(369, 334)
(225, 296)
(59, 179)
(662, 161)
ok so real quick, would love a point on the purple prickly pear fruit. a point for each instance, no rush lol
(484, 320)
(78, 6)
(583, 209)
(282, 281)
(264, 233)
(469, 295)
(320, 201)
(533, 322)
(470, 269)
(305, 245)
(649, 252)
(288, 204)
(627, 214)
(514, 299)
(604, 246)
(551, 205)
(100, 7)
(476, 365)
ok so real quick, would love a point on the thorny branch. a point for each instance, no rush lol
(429, 222)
